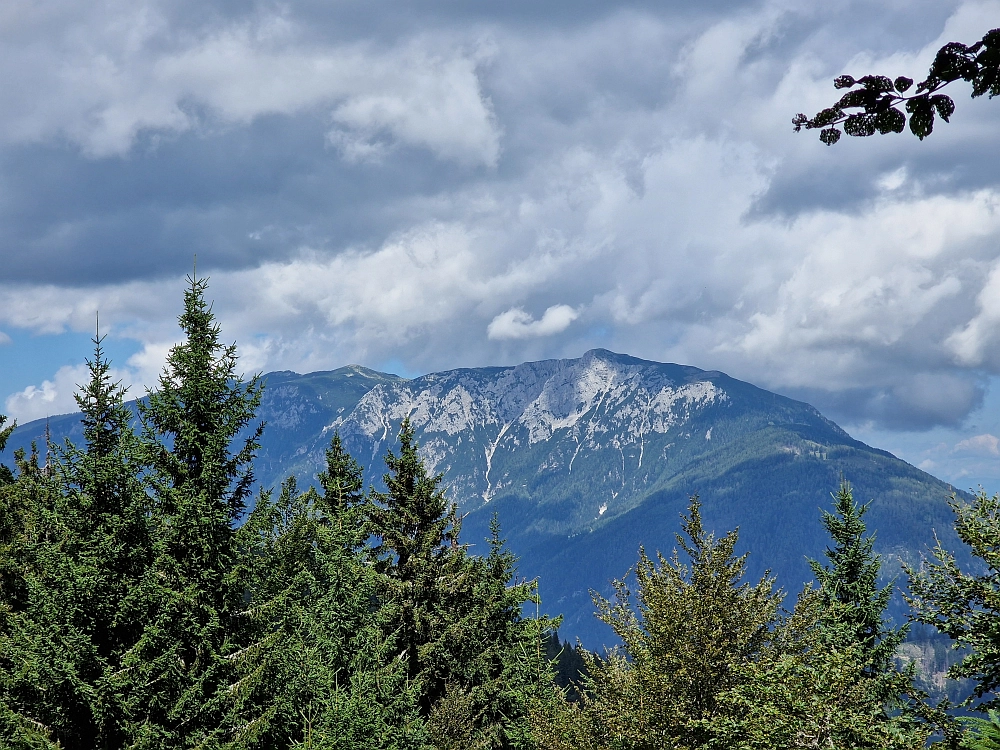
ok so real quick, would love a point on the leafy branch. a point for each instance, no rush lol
(876, 103)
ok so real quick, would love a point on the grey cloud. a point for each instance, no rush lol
(921, 402)
(635, 165)
(234, 199)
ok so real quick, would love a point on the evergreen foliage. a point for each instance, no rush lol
(461, 634)
(42, 689)
(136, 611)
(319, 672)
(693, 627)
(568, 664)
(984, 733)
(6, 475)
(809, 688)
(417, 550)
(343, 486)
(965, 605)
(710, 661)
(848, 589)
(194, 602)
(83, 550)
(105, 499)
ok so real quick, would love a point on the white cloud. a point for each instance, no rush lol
(632, 156)
(517, 324)
(49, 398)
(893, 180)
(101, 78)
(979, 445)
(4, 338)
(978, 340)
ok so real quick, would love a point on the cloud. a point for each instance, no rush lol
(400, 184)
(979, 445)
(517, 324)
(4, 338)
(106, 77)
(49, 398)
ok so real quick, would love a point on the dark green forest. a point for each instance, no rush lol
(143, 606)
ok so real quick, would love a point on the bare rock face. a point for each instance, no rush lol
(480, 428)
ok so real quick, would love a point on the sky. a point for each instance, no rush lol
(414, 186)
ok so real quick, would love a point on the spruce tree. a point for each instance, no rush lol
(710, 661)
(200, 475)
(808, 688)
(418, 555)
(12, 526)
(342, 480)
(107, 503)
(850, 580)
(965, 604)
(87, 549)
(319, 671)
(478, 662)
(6, 475)
(499, 670)
(43, 698)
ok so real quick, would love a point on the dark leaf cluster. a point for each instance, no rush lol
(876, 104)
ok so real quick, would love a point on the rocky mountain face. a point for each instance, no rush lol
(520, 432)
(586, 459)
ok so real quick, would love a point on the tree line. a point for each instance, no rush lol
(142, 607)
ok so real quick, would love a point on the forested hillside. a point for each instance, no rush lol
(584, 460)
(141, 607)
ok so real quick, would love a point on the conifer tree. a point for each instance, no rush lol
(478, 662)
(808, 688)
(343, 501)
(342, 481)
(107, 503)
(710, 661)
(851, 580)
(417, 552)
(500, 671)
(201, 475)
(319, 672)
(41, 696)
(965, 604)
(88, 548)
(12, 526)
(6, 475)
(684, 644)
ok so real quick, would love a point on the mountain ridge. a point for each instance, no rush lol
(586, 459)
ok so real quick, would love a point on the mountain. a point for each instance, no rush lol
(586, 459)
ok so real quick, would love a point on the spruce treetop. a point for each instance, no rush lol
(848, 584)
(200, 408)
(414, 520)
(342, 480)
(6, 475)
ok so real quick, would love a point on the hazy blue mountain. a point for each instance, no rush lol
(586, 459)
